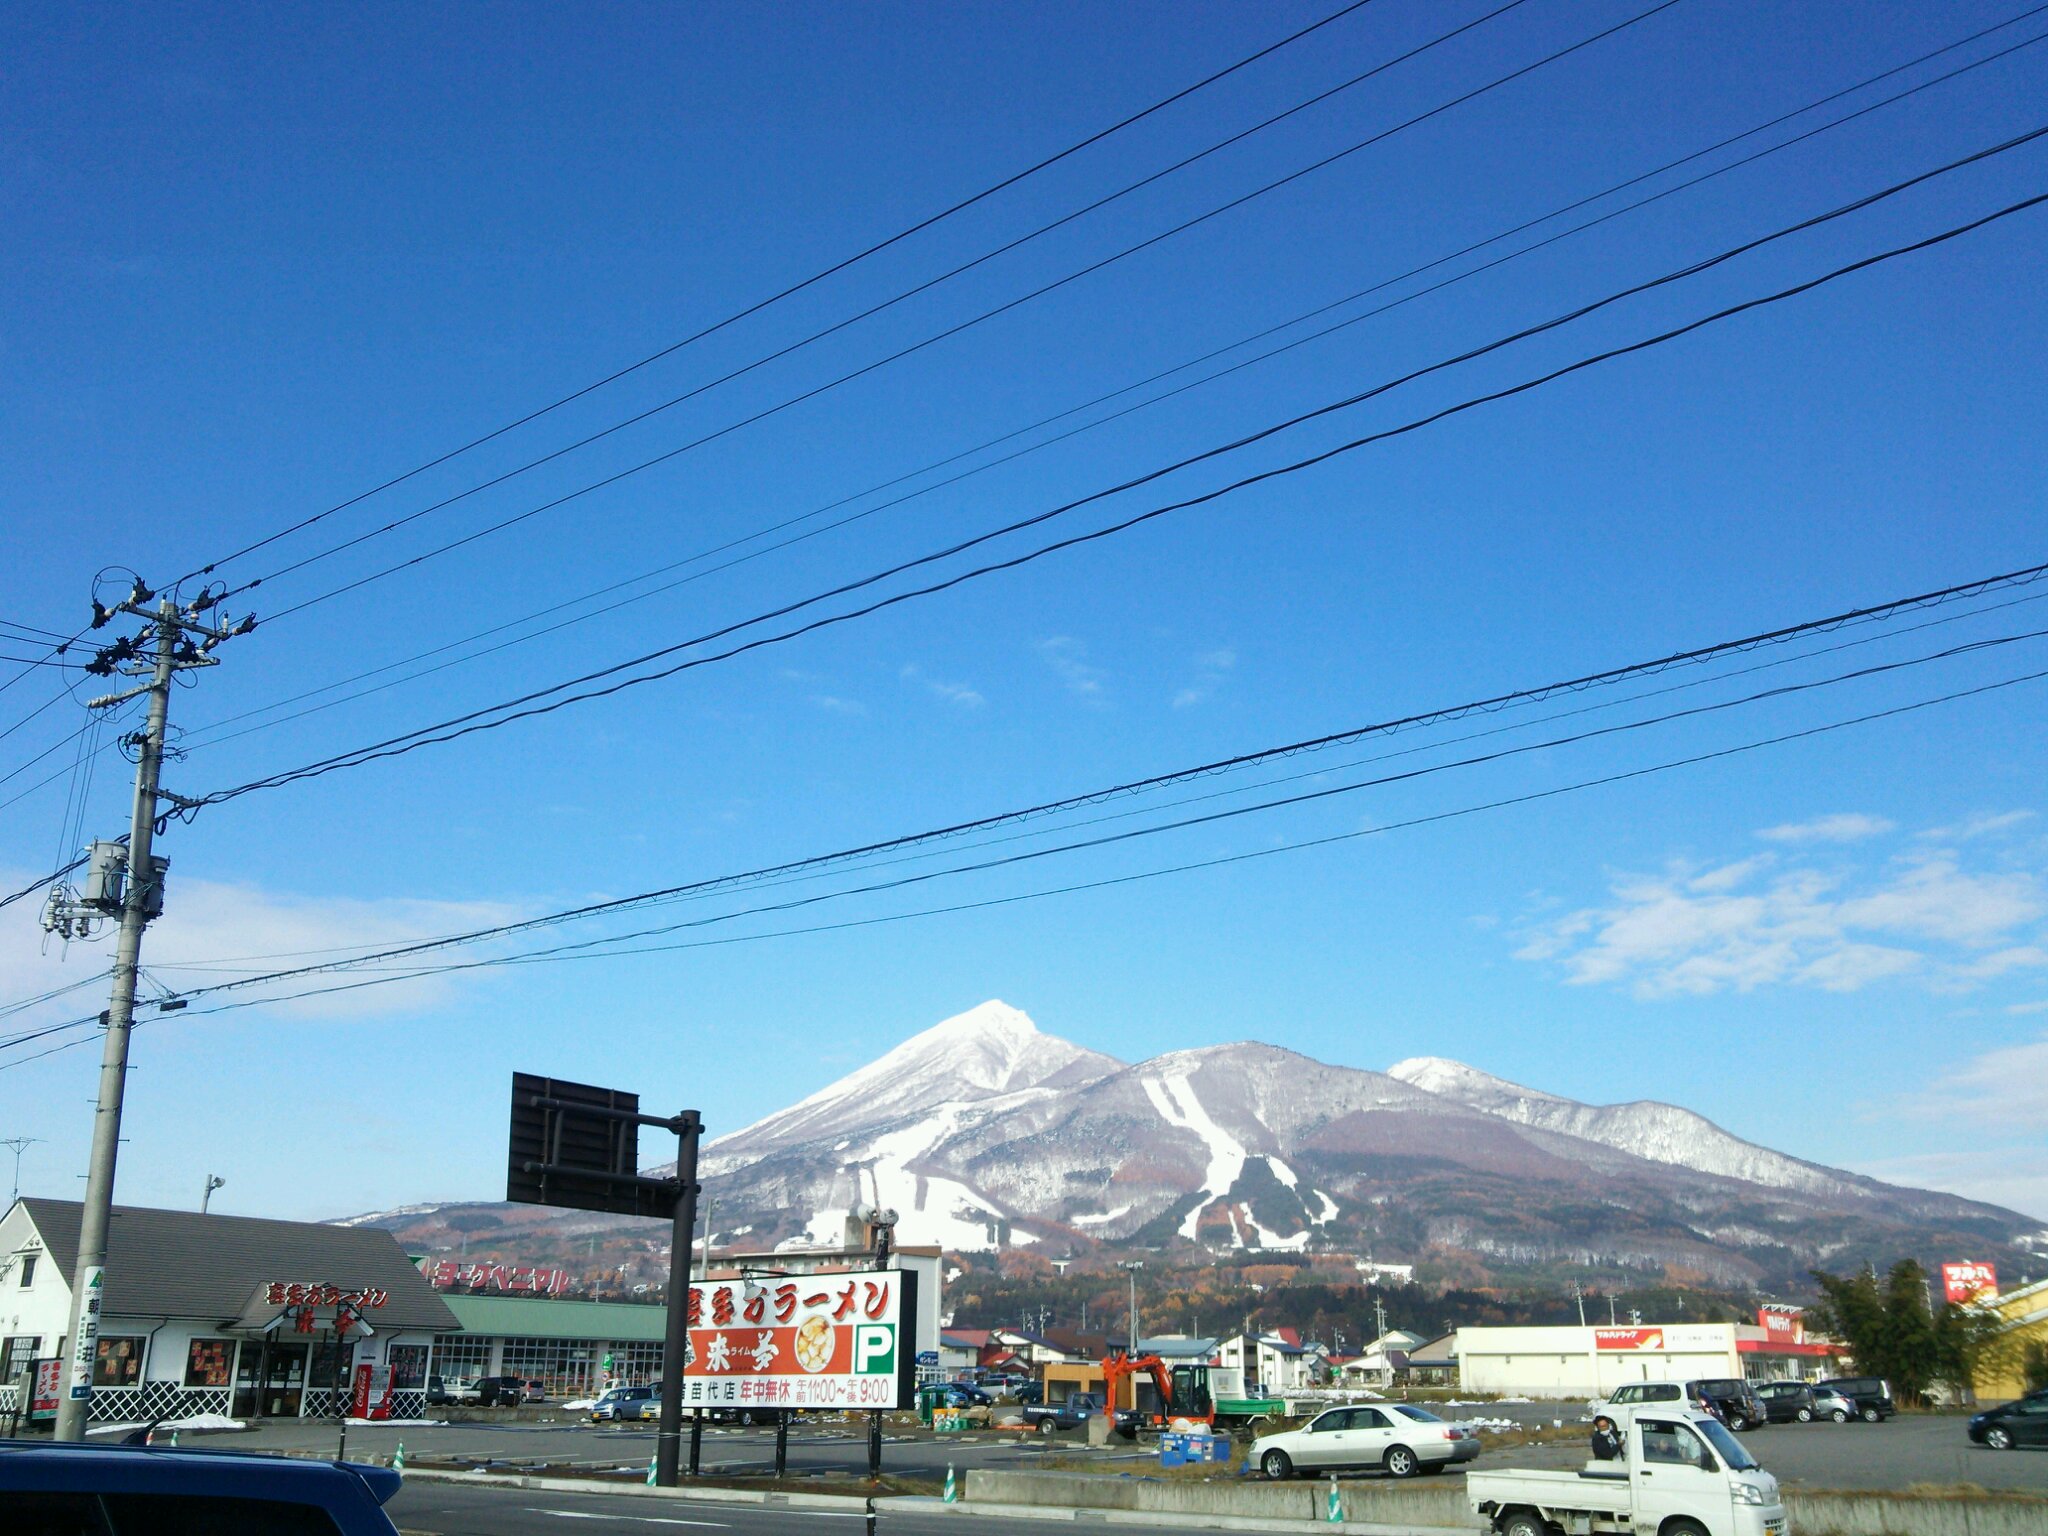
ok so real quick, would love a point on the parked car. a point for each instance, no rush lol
(617, 1405)
(439, 1393)
(1729, 1398)
(1621, 1404)
(1397, 1438)
(1075, 1413)
(1868, 1395)
(493, 1392)
(2014, 1424)
(1028, 1393)
(1802, 1402)
(47, 1487)
(534, 1392)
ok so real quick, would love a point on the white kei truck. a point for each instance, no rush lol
(1681, 1474)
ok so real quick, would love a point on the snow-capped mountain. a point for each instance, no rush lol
(983, 1131)
(1662, 1133)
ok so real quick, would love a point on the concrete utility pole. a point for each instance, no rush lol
(166, 648)
(1131, 1268)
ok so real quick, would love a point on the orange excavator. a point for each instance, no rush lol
(1182, 1390)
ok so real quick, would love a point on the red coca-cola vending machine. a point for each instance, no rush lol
(372, 1397)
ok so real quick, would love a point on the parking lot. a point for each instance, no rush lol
(1908, 1450)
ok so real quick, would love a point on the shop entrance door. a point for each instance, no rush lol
(270, 1380)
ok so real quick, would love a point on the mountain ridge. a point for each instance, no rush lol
(985, 1132)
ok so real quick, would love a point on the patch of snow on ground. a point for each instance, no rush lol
(1282, 1172)
(929, 1208)
(1226, 1157)
(192, 1421)
(1097, 1219)
(1329, 1209)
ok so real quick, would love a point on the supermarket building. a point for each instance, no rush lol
(1591, 1362)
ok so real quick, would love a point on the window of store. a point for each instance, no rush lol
(635, 1364)
(408, 1366)
(210, 1363)
(16, 1354)
(118, 1361)
(459, 1355)
(565, 1365)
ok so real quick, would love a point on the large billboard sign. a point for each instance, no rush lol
(1628, 1338)
(1963, 1283)
(803, 1341)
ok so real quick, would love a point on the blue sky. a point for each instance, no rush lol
(259, 262)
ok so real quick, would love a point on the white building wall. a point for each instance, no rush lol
(1570, 1362)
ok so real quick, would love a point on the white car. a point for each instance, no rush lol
(1622, 1403)
(1397, 1438)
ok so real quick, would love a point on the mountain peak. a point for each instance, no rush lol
(989, 1051)
(1453, 1079)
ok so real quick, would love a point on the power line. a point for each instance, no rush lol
(1212, 354)
(464, 725)
(1221, 861)
(1697, 656)
(1232, 813)
(915, 347)
(795, 288)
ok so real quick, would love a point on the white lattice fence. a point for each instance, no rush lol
(153, 1401)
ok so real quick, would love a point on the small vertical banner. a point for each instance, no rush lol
(952, 1490)
(1334, 1511)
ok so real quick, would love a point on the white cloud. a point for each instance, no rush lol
(1696, 930)
(1211, 669)
(961, 695)
(234, 930)
(833, 705)
(2005, 1086)
(1068, 659)
(1847, 828)
(1978, 826)
(2012, 1176)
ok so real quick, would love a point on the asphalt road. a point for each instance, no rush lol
(449, 1509)
(1907, 1450)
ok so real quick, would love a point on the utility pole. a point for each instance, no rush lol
(1131, 1268)
(163, 649)
(704, 1265)
(1579, 1295)
(18, 1145)
(213, 1181)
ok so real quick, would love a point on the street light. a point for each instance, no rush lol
(213, 1181)
(1131, 1268)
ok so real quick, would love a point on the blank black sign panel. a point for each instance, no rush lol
(574, 1146)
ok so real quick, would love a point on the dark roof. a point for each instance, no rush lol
(183, 1264)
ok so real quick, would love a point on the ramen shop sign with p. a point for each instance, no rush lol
(801, 1341)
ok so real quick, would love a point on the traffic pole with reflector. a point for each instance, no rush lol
(952, 1492)
(1334, 1511)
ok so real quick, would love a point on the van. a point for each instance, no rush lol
(1870, 1396)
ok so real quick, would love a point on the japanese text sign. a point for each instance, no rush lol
(1962, 1283)
(1628, 1338)
(802, 1341)
(294, 1293)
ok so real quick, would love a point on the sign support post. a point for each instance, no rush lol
(576, 1146)
(668, 1439)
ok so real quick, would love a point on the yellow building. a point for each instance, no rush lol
(2023, 1314)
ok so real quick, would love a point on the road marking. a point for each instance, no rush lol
(589, 1514)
